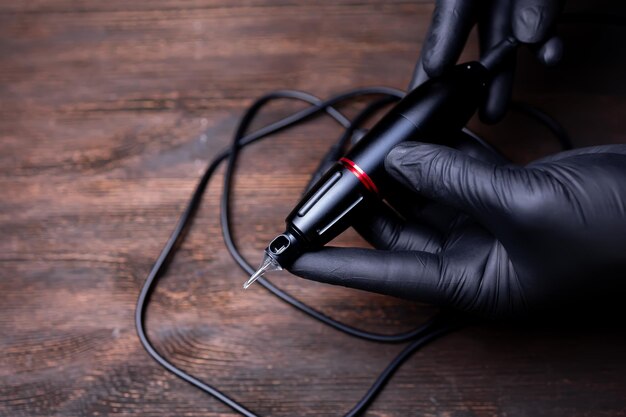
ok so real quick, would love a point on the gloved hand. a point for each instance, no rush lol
(496, 240)
(530, 21)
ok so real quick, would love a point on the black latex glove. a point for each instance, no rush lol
(497, 240)
(530, 21)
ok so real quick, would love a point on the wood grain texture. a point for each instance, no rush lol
(109, 110)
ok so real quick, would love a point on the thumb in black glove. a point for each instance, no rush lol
(520, 240)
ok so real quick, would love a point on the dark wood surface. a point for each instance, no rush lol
(109, 110)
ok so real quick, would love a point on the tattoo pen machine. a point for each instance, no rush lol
(439, 106)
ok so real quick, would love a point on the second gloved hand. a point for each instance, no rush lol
(496, 240)
(529, 21)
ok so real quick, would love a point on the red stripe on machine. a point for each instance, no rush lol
(360, 174)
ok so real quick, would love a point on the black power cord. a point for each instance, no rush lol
(419, 336)
(441, 324)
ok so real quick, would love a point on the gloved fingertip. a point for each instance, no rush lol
(551, 52)
(451, 23)
(396, 156)
(306, 266)
(404, 147)
(404, 161)
(529, 23)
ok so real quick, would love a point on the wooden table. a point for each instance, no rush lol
(109, 110)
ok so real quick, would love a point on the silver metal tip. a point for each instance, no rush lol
(268, 264)
(254, 277)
